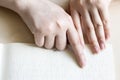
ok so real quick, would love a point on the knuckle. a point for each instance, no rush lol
(49, 27)
(101, 40)
(90, 29)
(105, 21)
(38, 29)
(93, 43)
(45, 27)
(61, 26)
(98, 26)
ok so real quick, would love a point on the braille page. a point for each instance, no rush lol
(28, 62)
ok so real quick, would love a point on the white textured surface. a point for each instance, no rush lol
(28, 62)
(1, 60)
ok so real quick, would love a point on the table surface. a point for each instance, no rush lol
(13, 29)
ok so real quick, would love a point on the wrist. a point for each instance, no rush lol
(10, 4)
(15, 5)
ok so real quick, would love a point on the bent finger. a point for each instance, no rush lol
(61, 41)
(39, 40)
(49, 41)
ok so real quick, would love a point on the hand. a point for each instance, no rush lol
(93, 18)
(51, 26)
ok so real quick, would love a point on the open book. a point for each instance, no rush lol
(20, 61)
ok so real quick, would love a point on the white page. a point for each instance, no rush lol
(1, 61)
(28, 62)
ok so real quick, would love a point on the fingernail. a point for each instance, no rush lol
(82, 62)
(102, 46)
(96, 49)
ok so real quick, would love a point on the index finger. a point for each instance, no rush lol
(78, 50)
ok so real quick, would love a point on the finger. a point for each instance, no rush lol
(84, 32)
(49, 41)
(85, 38)
(39, 40)
(98, 26)
(61, 41)
(76, 19)
(104, 13)
(76, 46)
(90, 32)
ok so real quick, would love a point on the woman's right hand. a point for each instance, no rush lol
(94, 16)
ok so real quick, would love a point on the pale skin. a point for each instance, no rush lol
(91, 19)
(52, 26)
